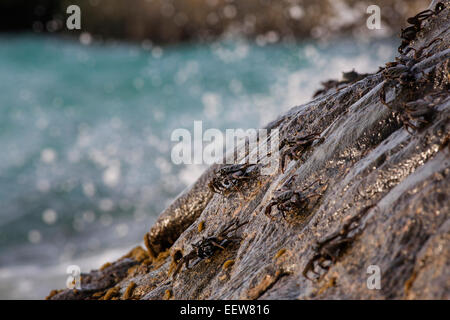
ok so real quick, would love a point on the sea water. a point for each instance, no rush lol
(85, 164)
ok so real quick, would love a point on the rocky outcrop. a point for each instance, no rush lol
(371, 193)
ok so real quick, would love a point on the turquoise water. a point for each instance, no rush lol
(85, 136)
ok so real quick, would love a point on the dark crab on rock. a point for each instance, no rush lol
(410, 33)
(230, 178)
(401, 77)
(207, 246)
(289, 200)
(329, 249)
(291, 148)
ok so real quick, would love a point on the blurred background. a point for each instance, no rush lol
(86, 115)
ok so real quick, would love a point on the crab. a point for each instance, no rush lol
(328, 250)
(399, 75)
(418, 54)
(421, 111)
(409, 34)
(208, 246)
(352, 76)
(399, 71)
(229, 177)
(423, 15)
(288, 200)
(295, 146)
(327, 85)
(418, 18)
(347, 78)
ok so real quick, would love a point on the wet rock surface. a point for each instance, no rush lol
(379, 184)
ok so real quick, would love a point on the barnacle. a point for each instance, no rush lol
(129, 291)
(201, 226)
(279, 253)
(227, 264)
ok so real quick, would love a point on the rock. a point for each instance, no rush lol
(380, 176)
